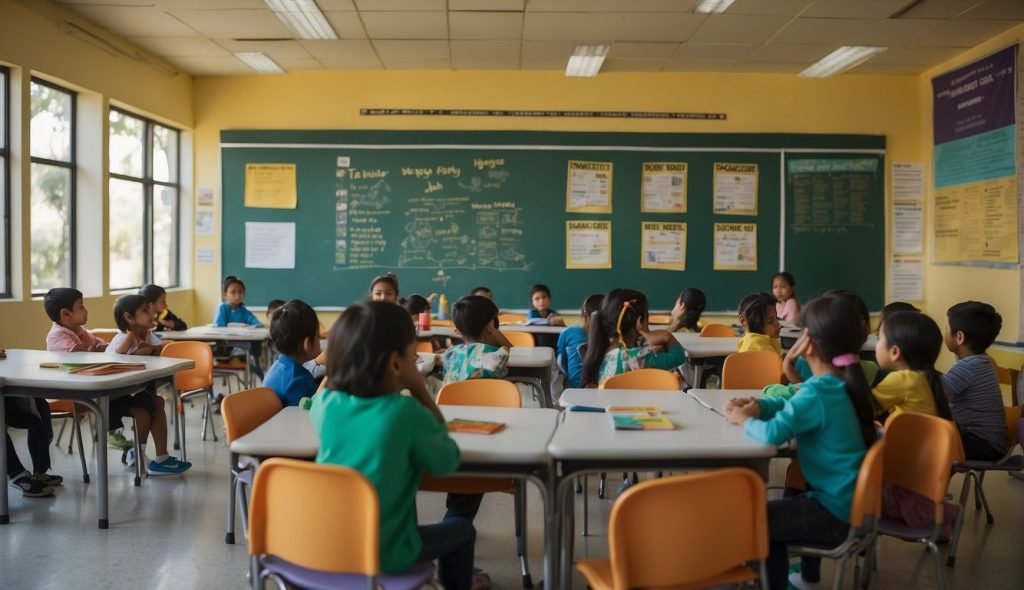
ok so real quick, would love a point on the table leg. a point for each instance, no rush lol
(698, 374)
(102, 410)
(551, 540)
(567, 504)
(5, 516)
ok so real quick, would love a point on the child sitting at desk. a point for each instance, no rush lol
(384, 288)
(787, 308)
(687, 310)
(165, 318)
(484, 355)
(757, 316)
(65, 307)
(614, 342)
(365, 423)
(295, 332)
(541, 312)
(134, 318)
(232, 310)
(570, 342)
(909, 343)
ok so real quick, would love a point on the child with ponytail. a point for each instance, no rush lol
(831, 418)
(619, 340)
(909, 343)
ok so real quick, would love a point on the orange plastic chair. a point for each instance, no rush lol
(424, 346)
(194, 382)
(717, 331)
(242, 413)
(719, 516)
(919, 452)
(751, 370)
(442, 323)
(105, 334)
(659, 319)
(495, 393)
(511, 318)
(865, 511)
(520, 338)
(651, 379)
(309, 520)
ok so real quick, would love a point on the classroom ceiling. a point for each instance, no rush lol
(777, 36)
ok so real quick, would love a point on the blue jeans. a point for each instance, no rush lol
(451, 543)
(799, 519)
(462, 506)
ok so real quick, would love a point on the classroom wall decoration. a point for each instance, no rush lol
(581, 212)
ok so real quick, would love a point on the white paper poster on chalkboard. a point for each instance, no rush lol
(735, 189)
(735, 246)
(269, 245)
(589, 187)
(664, 246)
(664, 187)
(588, 244)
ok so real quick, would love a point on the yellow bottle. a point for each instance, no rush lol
(442, 307)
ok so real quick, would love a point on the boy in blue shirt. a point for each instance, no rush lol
(295, 332)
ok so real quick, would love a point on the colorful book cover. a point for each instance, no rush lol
(632, 409)
(643, 420)
(474, 426)
(95, 369)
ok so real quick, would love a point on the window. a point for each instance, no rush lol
(144, 210)
(52, 137)
(5, 185)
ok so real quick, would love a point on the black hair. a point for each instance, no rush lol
(472, 313)
(360, 344)
(389, 278)
(592, 304)
(920, 341)
(539, 288)
(695, 301)
(415, 304)
(60, 298)
(859, 305)
(128, 304)
(477, 290)
(617, 319)
(833, 325)
(152, 292)
(231, 280)
(293, 323)
(892, 308)
(980, 323)
(786, 276)
(272, 307)
(754, 310)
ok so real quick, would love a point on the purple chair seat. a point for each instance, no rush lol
(902, 530)
(1014, 463)
(412, 579)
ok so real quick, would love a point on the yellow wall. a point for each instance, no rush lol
(885, 105)
(946, 285)
(31, 43)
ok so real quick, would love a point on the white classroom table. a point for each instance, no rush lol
(587, 442)
(23, 377)
(714, 400)
(519, 451)
(244, 337)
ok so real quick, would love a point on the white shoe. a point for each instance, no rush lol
(797, 580)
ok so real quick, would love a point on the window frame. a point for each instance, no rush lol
(5, 168)
(72, 166)
(149, 186)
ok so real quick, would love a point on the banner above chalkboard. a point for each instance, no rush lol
(521, 113)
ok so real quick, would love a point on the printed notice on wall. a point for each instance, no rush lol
(735, 246)
(269, 245)
(589, 187)
(664, 187)
(735, 189)
(906, 279)
(204, 223)
(977, 221)
(588, 244)
(270, 186)
(664, 246)
(907, 181)
(204, 255)
(907, 228)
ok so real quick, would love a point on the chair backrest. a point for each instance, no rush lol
(245, 410)
(511, 318)
(198, 377)
(321, 517)
(442, 323)
(105, 334)
(1012, 414)
(717, 331)
(424, 346)
(480, 392)
(520, 338)
(654, 379)
(659, 319)
(751, 370)
(919, 454)
(679, 530)
(867, 496)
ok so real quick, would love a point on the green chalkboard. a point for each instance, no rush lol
(448, 211)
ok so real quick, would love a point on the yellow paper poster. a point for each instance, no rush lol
(735, 246)
(664, 246)
(270, 186)
(589, 187)
(977, 222)
(735, 189)
(588, 244)
(664, 187)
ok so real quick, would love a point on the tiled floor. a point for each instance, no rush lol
(169, 533)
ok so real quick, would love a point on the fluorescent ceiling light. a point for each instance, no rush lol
(840, 60)
(259, 61)
(586, 60)
(713, 6)
(303, 18)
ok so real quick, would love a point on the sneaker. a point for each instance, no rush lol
(129, 458)
(31, 488)
(796, 580)
(481, 581)
(169, 466)
(48, 479)
(117, 440)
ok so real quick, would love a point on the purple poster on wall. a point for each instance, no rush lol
(976, 98)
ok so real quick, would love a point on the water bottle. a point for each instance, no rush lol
(442, 307)
(425, 321)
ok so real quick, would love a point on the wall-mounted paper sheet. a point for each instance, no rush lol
(588, 244)
(269, 245)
